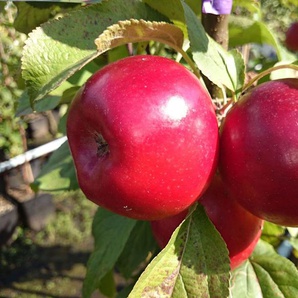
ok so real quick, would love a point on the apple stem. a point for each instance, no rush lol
(102, 145)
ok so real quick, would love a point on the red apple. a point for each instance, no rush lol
(291, 39)
(240, 229)
(259, 151)
(144, 137)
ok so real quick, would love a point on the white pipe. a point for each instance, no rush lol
(31, 154)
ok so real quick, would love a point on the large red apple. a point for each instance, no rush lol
(144, 137)
(259, 151)
(240, 229)
(291, 39)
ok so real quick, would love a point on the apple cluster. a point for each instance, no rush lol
(145, 141)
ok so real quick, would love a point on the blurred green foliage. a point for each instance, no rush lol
(11, 44)
(279, 14)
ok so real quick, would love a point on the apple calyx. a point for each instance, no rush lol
(103, 148)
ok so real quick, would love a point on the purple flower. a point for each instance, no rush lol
(217, 6)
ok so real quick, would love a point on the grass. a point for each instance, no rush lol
(73, 220)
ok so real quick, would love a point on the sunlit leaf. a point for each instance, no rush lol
(244, 30)
(60, 47)
(137, 31)
(272, 233)
(205, 51)
(58, 174)
(266, 275)
(195, 263)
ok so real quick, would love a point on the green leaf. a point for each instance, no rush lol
(138, 31)
(195, 263)
(63, 94)
(47, 103)
(277, 275)
(58, 174)
(2, 5)
(272, 233)
(62, 124)
(31, 15)
(244, 282)
(267, 275)
(81, 76)
(173, 8)
(117, 53)
(60, 47)
(251, 6)
(140, 245)
(205, 51)
(111, 232)
(236, 69)
(294, 243)
(107, 285)
(69, 94)
(125, 292)
(244, 30)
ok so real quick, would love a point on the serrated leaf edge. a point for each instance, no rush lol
(113, 33)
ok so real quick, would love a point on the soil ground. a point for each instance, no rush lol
(52, 262)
